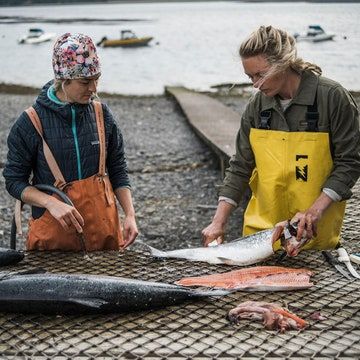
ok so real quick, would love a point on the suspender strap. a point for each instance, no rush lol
(102, 160)
(312, 116)
(17, 217)
(265, 117)
(54, 168)
(101, 132)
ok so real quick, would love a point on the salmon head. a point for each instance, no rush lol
(289, 241)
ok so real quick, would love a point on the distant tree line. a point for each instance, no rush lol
(53, 2)
(59, 2)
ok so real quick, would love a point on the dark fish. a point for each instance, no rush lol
(75, 294)
(9, 256)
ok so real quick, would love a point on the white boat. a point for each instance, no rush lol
(36, 36)
(315, 33)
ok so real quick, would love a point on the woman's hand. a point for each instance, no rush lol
(306, 224)
(65, 214)
(214, 231)
(130, 231)
(309, 219)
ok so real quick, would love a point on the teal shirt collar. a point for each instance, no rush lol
(52, 96)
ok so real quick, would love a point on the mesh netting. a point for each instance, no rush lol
(197, 329)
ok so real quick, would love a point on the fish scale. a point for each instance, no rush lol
(243, 251)
(70, 293)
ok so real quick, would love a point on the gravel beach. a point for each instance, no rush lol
(174, 175)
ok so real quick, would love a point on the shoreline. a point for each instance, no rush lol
(16, 89)
(84, 2)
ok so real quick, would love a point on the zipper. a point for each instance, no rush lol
(74, 131)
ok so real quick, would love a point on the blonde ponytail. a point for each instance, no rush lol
(278, 47)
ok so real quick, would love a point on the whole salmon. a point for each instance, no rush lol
(68, 294)
(243, 251)
(9, 256)
(259, 278)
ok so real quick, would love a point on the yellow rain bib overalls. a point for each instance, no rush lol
(290, 170)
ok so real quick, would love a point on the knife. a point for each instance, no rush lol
(333, 262)
(81, 238)
(344, 257)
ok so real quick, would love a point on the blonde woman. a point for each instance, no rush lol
(297, 146)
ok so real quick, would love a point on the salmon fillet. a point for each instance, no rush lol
(259, 278)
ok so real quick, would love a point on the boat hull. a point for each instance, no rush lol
(127, 42)
(317, 38)
(37, 40)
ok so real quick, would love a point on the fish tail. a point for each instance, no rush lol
(154, 252)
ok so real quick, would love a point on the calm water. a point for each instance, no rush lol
(195, 44)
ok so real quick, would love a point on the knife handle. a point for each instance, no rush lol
(328, 257)
(343, 255)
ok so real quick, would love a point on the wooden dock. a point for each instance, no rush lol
(215, 123)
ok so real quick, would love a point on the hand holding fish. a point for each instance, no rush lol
(306, 224)
(213, 232)
(216, 230)
(308, 220)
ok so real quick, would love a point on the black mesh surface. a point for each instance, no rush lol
(196, 329)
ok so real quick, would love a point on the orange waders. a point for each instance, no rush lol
(93, 197)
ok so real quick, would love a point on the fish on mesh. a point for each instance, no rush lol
(258, 278)
(74, 294)
(273, 316)
(243, 251)
(247, 250)
(10, 256)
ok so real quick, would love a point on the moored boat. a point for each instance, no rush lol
(315, 33)
(127, 39)
(36, 36)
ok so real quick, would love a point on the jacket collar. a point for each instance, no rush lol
(304, 96)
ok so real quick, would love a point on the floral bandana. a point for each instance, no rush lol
(75, 57)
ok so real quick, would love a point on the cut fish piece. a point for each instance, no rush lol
(258, 278)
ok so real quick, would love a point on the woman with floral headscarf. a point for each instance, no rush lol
(68, 140)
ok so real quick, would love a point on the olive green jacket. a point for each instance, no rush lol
(338, 115)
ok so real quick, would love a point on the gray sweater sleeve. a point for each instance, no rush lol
(242, 163)
(345, 140)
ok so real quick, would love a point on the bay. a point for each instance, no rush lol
(194, 45)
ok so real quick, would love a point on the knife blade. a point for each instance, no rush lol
(333, 262)
(81, 238)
